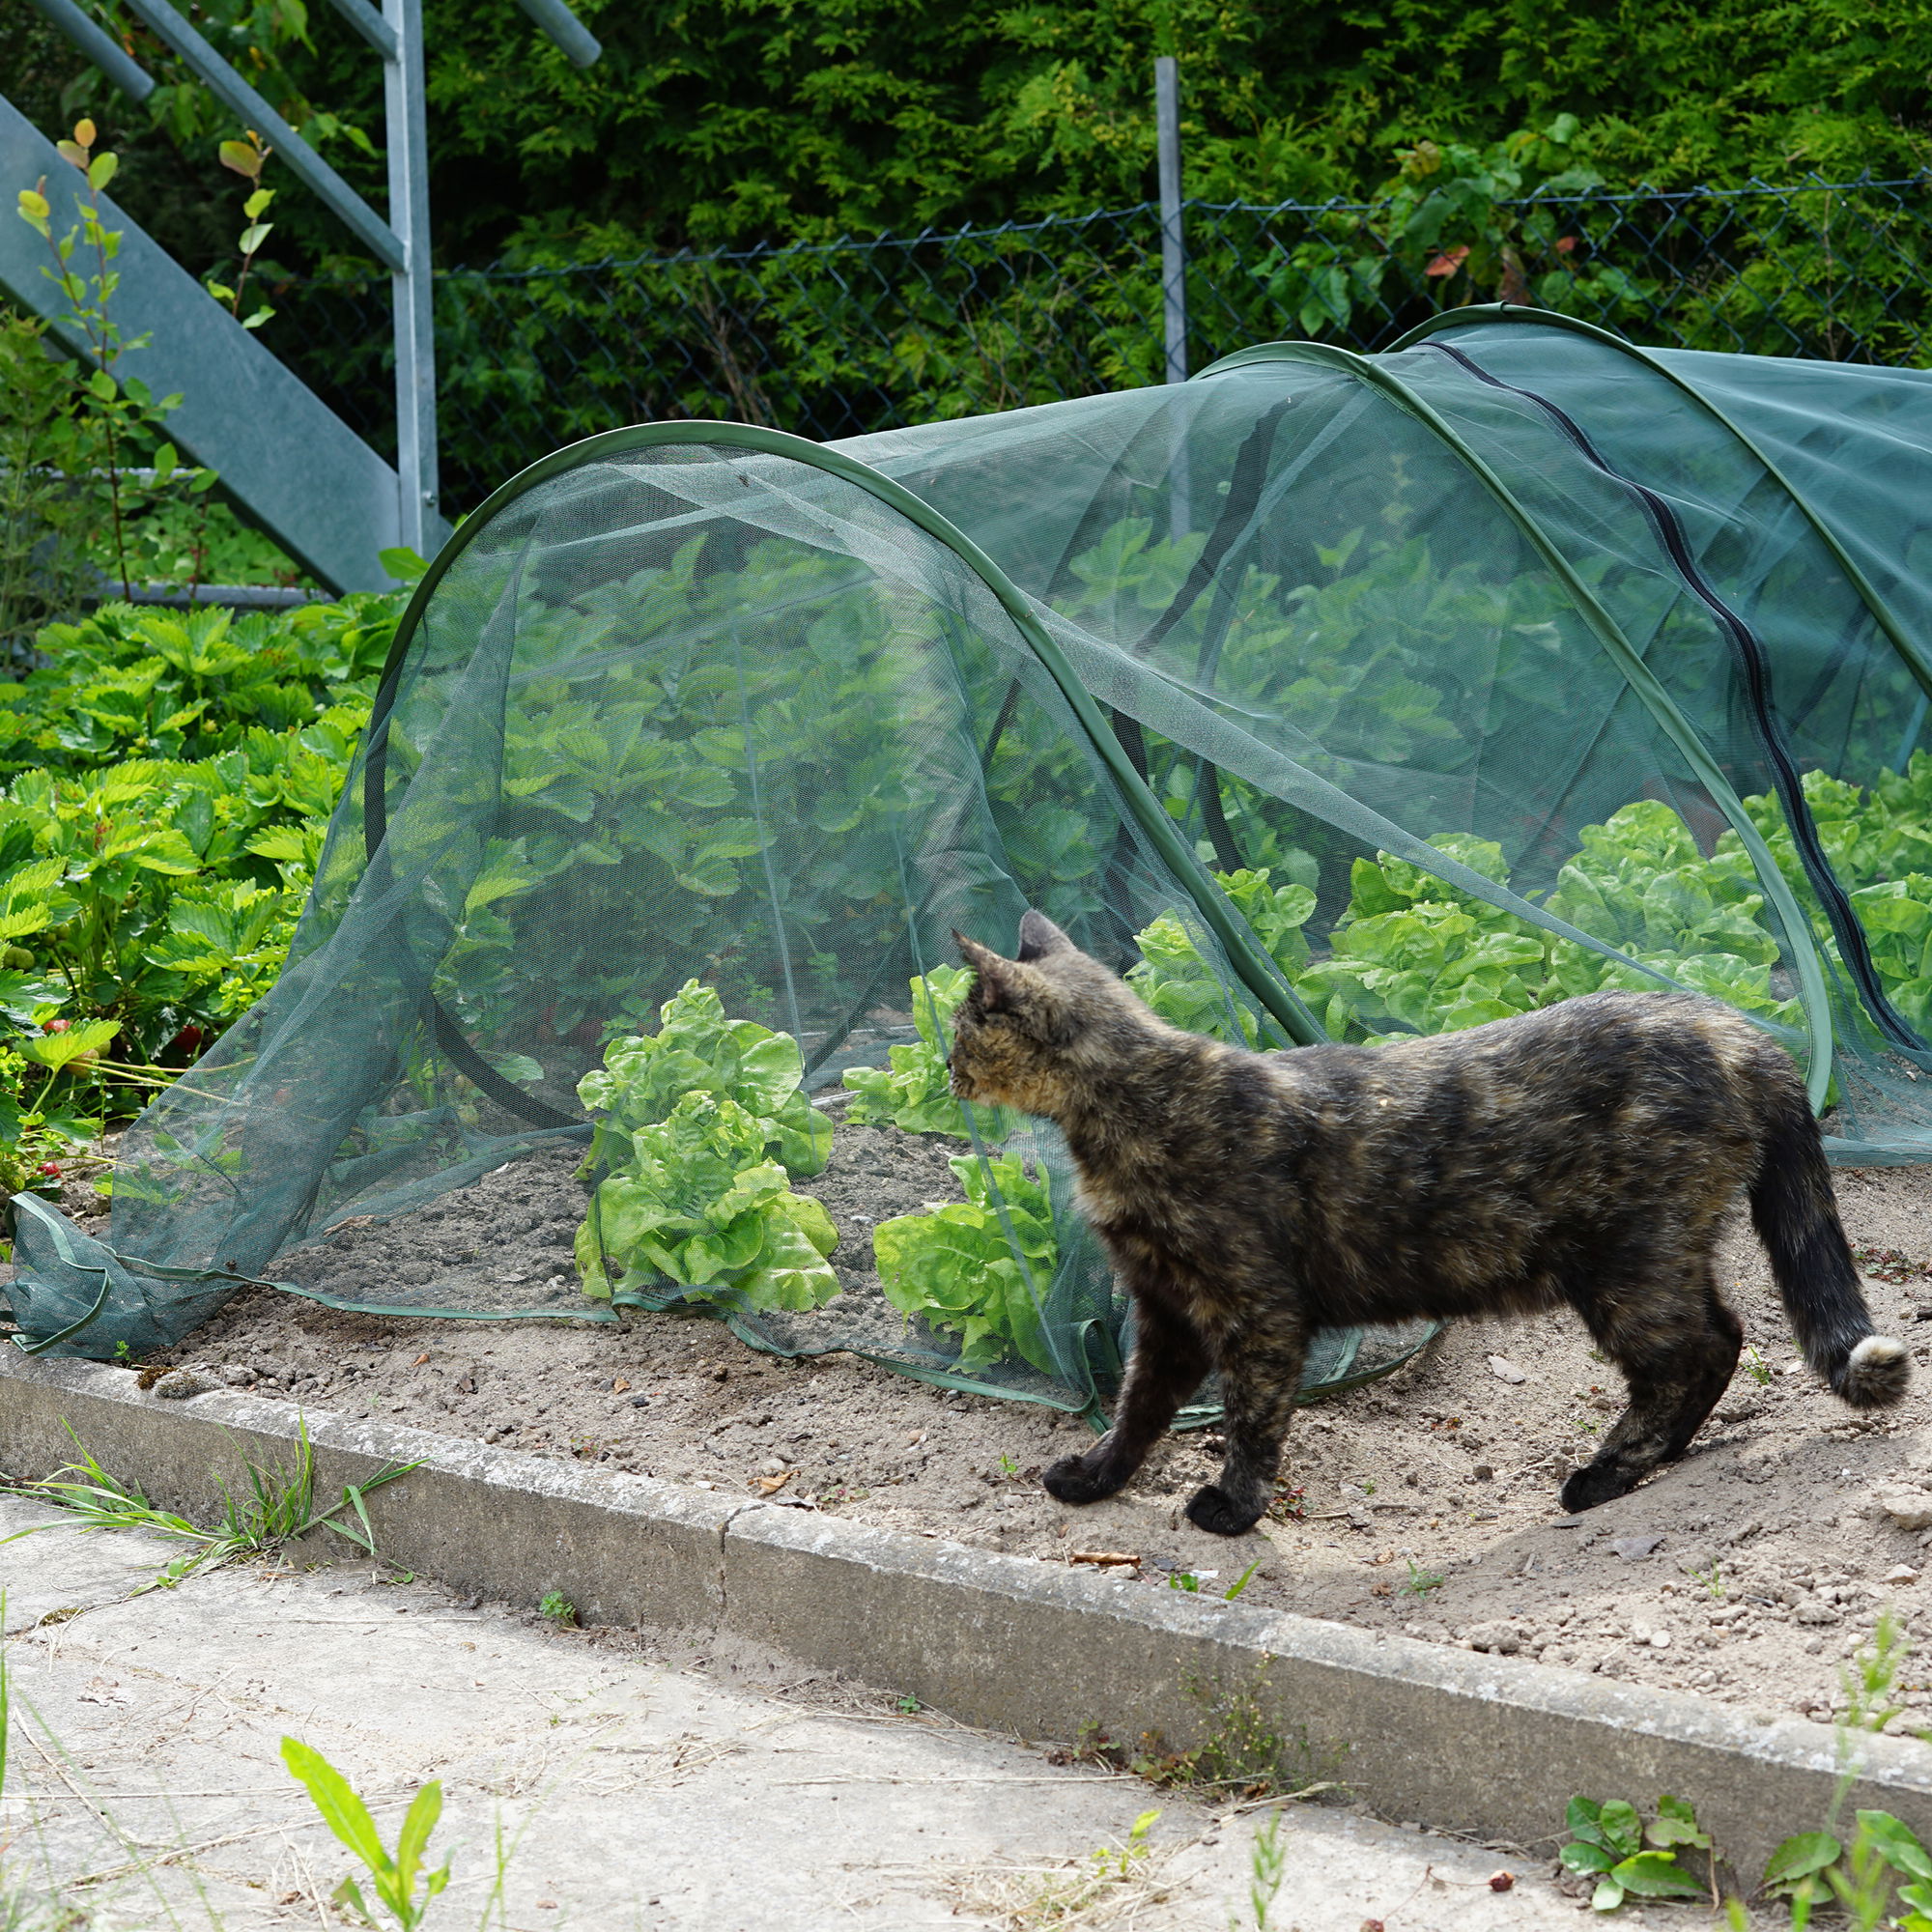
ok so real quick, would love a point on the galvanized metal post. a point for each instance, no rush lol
(414, 290)
(1172, 285)
(1172, 241)
(580, 47)
(402, 244)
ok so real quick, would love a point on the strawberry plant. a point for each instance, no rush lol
(675, 771)
(124, 682)
(171, 779)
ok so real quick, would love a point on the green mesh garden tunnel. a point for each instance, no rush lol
(1329, 695)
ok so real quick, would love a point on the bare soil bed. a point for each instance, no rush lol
(1424, 1503)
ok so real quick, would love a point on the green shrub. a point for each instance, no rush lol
(46, 516)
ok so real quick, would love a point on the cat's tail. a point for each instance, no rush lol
(1796, 1219)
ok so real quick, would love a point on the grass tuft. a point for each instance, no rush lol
(279, 1507)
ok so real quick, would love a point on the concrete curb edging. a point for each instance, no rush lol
(1451, 1738)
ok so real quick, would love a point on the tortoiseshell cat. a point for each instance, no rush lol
(1586, 1154)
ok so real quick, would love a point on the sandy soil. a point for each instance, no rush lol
(1425, 1504)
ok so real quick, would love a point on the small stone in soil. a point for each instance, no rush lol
(1908, 1509)
(1506, 1370)
(1635, 1549)
(178, 1385)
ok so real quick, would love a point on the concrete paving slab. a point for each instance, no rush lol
(638, 1790)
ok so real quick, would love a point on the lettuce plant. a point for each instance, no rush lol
(1412, 954)
(697, 1050)
(914, 1092)
(696, 1204)
(1880, 845)
(1637, 883)
(1179, 985)
(957, 1268)
(701, 1126)
(1417, 952)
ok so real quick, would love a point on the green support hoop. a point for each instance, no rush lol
(1915, 659)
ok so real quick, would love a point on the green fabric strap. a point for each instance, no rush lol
(1894, 633)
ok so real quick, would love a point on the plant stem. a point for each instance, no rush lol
(106, 361)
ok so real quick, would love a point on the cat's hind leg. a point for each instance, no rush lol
(1677, 1352)
(1168, 1361)
(1260, 1382)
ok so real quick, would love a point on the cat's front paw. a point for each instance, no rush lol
(1073, 1479)
(1215, 1510)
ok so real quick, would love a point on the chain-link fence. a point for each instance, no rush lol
(852, 336)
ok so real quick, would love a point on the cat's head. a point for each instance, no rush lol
(1039, 1031)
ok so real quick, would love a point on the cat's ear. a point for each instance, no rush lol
(1041, 938)
(996, 981)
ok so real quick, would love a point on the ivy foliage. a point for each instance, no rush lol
(719, 122)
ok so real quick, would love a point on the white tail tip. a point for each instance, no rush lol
(1876, 1372)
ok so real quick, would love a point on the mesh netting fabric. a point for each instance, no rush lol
(1329, 696)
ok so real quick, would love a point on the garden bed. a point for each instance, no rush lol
(1426, 1502)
